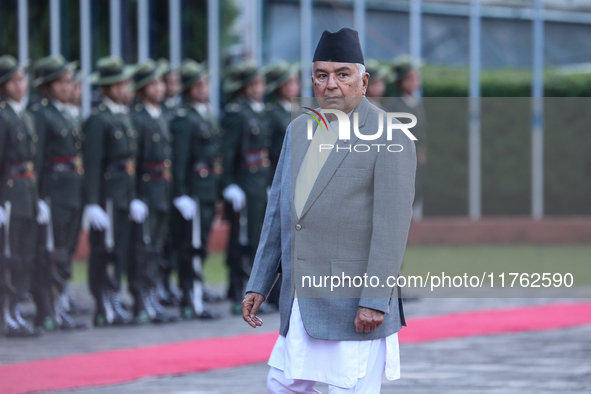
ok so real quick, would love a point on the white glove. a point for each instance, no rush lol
(98, 218)
(2, 216)
(138, 210)
(44, 213)
(234, 194)
(186, 206)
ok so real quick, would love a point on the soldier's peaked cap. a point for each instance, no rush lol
(8, 67)
(111, 70)
(50, 68)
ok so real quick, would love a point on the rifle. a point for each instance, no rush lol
(197, 261)
(8, 261)
(245, 247)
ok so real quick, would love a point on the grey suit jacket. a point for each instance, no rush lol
(355, 221)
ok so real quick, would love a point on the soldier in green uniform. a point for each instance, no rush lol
(172, 89)
(59, 163)
(154, 176)
(407, 83)
(197, 169)
(246, 171)
(23, 210)
(109, 150)
(282, 86)
(378, 79)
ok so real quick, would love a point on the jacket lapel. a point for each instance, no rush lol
(336, 156)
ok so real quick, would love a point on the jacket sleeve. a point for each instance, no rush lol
(92, 153)
(394, 188)
(231, 145)
(267, 259)
(180, 128)
(41, 131)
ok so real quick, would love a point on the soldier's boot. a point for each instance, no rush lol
(24, 328)
(121, 317)
(142, 308)
(189, 309)
(104, 313)
(64, 320)
(70, 305)
(9, 325)
(162, 315)
(45, 316)
(169, 294)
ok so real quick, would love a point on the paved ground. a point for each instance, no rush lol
(541, 362)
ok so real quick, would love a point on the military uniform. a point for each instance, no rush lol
(197, 170)
(154, 176)
(279, 114)
(59, 161)
(109, 151)
(246, 145)
(19, 190)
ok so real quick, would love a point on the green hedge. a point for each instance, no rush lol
(506, 142)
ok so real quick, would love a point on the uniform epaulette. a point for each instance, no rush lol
(181, 112)
(232, 107)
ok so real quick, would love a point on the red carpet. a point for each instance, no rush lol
(125, 365)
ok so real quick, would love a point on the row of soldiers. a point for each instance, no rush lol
(146, 171)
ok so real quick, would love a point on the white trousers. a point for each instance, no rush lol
(371, 383)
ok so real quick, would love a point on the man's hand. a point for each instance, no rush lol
(368, 319)
(250, 308)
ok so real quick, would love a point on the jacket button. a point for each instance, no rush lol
(298, 227)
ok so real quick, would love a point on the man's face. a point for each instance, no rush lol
(200, 91)
(290, 89)
(334, 81)
(376, 88)
(255, 90)
(154, 91)
(172, 84)
(61, 88)
(118, 92)
(76, 92)
(16, 87)
(411, 83)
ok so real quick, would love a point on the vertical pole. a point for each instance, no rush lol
(174, 27)
(359, 21)
(537, 163)
(474, 140)
(54, 27)
(85, 54)
(213, 53)
(415, 34)
(258, 32)
(143, 33)
(115, 27)
(306, 45)
(23, 32)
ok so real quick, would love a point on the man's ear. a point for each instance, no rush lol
(365, 81)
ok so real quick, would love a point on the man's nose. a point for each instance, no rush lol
(332, 82)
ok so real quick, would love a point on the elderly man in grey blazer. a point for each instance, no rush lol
(336, 211)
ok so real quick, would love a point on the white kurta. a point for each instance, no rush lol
(338, 363)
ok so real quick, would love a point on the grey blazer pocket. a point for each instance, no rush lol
(351, 172)
(340, 267)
